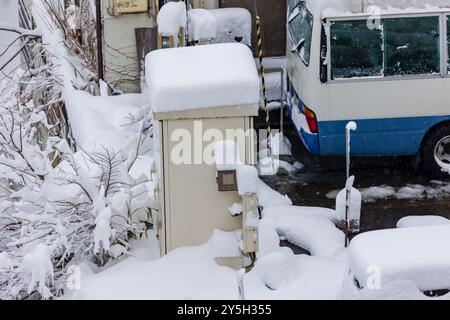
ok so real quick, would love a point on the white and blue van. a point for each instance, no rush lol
(385, 67)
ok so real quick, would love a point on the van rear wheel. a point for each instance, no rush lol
(436, 152)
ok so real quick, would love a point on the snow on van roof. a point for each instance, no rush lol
(200, 77)
(341, 8)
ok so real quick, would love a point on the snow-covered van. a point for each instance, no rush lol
(382, 63)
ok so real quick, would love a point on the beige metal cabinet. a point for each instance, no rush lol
(191, 205)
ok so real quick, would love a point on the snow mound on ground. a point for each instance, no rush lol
(184, 274)
(419, 254)
(285, 276)
(421, 221)
(309, 228)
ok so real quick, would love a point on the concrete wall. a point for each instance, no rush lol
(121, 64)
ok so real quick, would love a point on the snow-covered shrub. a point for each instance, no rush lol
(59, 204)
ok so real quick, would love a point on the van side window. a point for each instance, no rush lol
(395, 47)
(448, 42)
(356, 50)
(300, 25)
(412, 46)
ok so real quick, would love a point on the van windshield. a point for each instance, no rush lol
(300, 24)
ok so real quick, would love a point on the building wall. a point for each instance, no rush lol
(120, 54)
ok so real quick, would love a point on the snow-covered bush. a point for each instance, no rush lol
(59, 204)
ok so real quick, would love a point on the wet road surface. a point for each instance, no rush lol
(322, 175)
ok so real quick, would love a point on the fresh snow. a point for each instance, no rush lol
(184, 274)
(201, 77)
(437, 189)
(233, 24)
(419, 254)
(309, 228)
(421, 221)
(202, 25)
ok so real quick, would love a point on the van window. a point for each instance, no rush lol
(397, 47)
(300, 23)
(448, 42)
(356, 50)
(412, 46)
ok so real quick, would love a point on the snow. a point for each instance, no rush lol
(226, 244)
(419, 254)
(37, 262)
(232, 24)
(202, 25)
(287, 277)
(307, 227)
(226, 154)
(172, 17)
(354, 205)
(201, 77)
(437, 189)
(87, 115)
(247, 180)
(235, 209)
(421, 221)
(184, 274)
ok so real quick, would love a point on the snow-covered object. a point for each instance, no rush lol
(37, 262)
(354, 213)
(202, 25)
(202, 77)
(102, 232)
(247, 180)
(233, 24)
(422, 221)
(171, 17)
(287, 276)
(308, 228)
(226, 154)
(235, 209)
(419, 254)
(225, 244)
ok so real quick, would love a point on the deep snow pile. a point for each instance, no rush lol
(202, 77)
(418, 254)
(185, 274)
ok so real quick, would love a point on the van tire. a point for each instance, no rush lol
(435, 147)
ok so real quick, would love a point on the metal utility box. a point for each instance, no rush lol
(130, 6)
(200, 96)
(190, 201)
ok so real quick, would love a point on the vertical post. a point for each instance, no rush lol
(283, 75)
(99, 30)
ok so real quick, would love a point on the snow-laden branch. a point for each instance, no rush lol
(21, 31)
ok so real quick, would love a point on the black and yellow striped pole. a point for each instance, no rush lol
(263, 79)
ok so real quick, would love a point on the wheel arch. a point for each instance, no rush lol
(435, 127)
